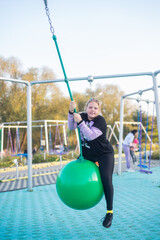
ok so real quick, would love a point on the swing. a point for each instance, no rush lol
(150, 152)
(65, 141)
(139, 135)
(9, 140)
(18, 148)
(143, 167)
(0, 138)
(79, 183)
(151, 138)
(56, 146)
(145, 150)
(58, 149)
(144, 162)
(50, 141)
(62, 147)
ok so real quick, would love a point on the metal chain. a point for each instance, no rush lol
(49, 19)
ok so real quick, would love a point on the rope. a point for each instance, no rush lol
(63, 69)
(9, 139)
(59, 135)
(56, 136)
(151, 138)
(146, 131)
(140, 132)
(0, 138)
(140, 137)
(50, 139)
(18, 147)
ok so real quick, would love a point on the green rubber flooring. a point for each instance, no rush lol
(41, 215)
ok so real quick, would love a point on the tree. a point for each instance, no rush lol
(10, 67)
(110, 98)
(13, 96)
(48, 101)
(80, 100)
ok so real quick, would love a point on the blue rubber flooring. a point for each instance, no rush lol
(41, 215)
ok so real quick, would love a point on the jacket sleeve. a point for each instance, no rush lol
(90, 133)
(71, 123)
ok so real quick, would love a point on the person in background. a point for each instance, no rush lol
(127, 143)
(34, 151)
(133, 149)
(96, 147)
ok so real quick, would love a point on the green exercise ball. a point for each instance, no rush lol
(79, 184)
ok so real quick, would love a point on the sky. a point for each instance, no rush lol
(95, 37)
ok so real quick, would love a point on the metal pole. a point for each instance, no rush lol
(17, 173)
(2, 140)
(14, 80)
(64, 135)
(46, 136)
(120, 137)
(77, 139)
(111, 132)
(155, 86)
(29, 137)
(60, 158)
(94, 77)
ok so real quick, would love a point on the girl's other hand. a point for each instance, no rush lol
(72, 106)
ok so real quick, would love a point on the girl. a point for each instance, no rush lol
(133, 149)
(95, 147)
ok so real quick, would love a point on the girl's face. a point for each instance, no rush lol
(92, 110)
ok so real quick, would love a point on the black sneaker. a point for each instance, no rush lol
(107, 222)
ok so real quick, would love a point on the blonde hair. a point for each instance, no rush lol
(93, 100)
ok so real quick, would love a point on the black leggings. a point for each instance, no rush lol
(106, 166)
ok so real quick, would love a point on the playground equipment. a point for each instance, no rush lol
(59, 149)
(145, 164)
(110, 133)
(17, 147)
(79, 185)
(42, 142)
(71, 183)
(12, 148)
(152, 75)
(121, 126)
(46, 136)
(45, 141)
(117, 126)
(29, 109)
(0, 137)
